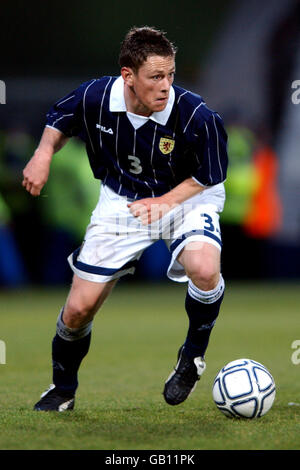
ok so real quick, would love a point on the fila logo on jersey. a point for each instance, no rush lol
(103, 129)
(166, 145)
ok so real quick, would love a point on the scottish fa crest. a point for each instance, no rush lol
(166, 145)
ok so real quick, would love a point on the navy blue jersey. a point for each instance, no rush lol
(185, 140)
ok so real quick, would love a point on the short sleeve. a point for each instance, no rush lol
(66, 114)
(211, 152)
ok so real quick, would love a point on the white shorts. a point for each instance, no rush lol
(115, 239)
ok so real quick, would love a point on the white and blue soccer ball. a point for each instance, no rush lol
(244, 389)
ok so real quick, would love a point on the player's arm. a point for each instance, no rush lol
(63, 122)
(36, 172)
(183, 191)
(152, 209)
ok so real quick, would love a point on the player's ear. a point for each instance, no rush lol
(127, 74)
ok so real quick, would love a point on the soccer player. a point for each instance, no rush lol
(161, 156)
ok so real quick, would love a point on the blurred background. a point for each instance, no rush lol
(241, 56)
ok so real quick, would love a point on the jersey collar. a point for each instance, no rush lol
(117, 102)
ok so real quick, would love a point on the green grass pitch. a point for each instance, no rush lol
(119, 404)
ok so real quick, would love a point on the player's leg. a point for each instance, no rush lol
(204, 295)
(72, 340)
(201, 262)
(196, 247)
(74, 325)
(84, 300)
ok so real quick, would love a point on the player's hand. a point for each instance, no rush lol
(150, 209)
(35, 174)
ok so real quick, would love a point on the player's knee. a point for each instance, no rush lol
(204, 275)
(77, 313)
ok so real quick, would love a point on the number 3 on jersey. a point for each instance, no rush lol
(135, 163)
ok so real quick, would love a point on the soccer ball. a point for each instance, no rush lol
(244, 389)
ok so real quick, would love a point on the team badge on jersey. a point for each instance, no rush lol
(166, 145)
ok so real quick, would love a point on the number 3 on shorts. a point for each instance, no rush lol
(208, 222)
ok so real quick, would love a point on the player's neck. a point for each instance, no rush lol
(133, 105)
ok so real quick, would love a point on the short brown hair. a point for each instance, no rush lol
(142, 42)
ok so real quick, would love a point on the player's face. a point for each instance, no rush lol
(150, 85)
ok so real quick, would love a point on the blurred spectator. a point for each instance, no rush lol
(18, 233)
(252, 212)
(263, 218)
(12, 271)
(241, 182)
(154, 263)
